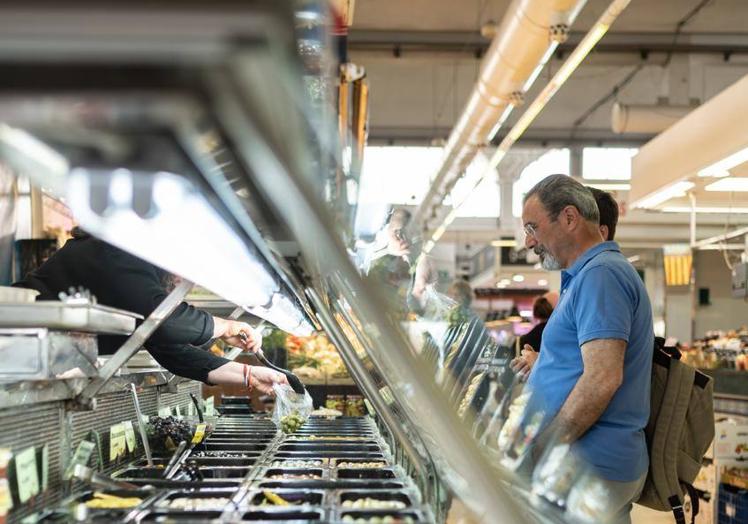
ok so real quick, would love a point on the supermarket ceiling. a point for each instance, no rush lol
(422, 58)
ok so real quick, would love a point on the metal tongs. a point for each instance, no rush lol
(293, 380)
(89, 476)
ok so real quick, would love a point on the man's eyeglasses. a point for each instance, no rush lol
(531, 230)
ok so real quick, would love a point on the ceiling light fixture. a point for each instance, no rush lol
(672, 191)
(576, 57)
(705, 209)
(518, 278)
(542, 282)
(722, 168)
(729, 184)
(504, 243)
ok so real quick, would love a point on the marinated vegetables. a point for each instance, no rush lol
(297, 463)
(193, 504)
(361, 465)
(291, 423)
(105, 501)
(370, 503)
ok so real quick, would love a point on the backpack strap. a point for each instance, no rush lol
(694, 496)
(678, 513)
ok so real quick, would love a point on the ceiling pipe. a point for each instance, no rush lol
(526, 38)
(645, 119)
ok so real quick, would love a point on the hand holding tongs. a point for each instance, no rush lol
(293, 380)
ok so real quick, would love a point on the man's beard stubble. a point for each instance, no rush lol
(547, 261)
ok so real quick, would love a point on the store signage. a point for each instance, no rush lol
(210, 408)
(45, 467)
(81, 456)
(130, 436)
(26, 474)
(199, 434)
(117, 442)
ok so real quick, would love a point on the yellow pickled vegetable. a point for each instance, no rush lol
(106, 501)
(274, 498)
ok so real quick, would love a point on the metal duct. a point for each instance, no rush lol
(529, 32)
(645, 119)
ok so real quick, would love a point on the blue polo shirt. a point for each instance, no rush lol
(602, 296)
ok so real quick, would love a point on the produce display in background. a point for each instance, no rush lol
(719, 350)
(314, 358)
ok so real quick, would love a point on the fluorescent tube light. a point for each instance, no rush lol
(577, 56)
(701, 209)
(504, 243)
(675, 190)
(718, 169)
(181, 233)
(729, 184)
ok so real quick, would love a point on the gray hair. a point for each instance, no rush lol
(555, 192)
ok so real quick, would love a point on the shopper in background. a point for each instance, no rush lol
(532, 340)
(608, 208)
(121, 280)
(592, 378)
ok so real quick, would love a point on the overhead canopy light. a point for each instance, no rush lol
(705, 209)
(663, 195)
(729, 184)
(162, 218)
(707, 142)
(722, 168)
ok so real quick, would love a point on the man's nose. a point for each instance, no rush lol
(530, 241)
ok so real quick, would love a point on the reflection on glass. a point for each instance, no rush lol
(472, 365)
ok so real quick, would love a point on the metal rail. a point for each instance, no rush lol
(133, 344)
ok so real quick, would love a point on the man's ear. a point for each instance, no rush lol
(604, 232)
(570, 217)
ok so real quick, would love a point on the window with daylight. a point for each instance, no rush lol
(555, 161)
(607, 163)
(481, 201)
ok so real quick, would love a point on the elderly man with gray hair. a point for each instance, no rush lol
(592, 378)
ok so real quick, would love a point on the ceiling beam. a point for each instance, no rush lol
(471, 42)
(414, 135)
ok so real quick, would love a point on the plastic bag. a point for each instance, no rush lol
(290, 408)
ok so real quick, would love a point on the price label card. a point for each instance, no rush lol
(117, 442)
(45, 467)
(81, 456)
(199, 434)
(164, 412)
(26, 474)
(6, 500)
(210, 406)
(130, 436)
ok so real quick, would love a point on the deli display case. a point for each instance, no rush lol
(205, 140)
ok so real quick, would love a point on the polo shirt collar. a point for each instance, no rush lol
(576, 267)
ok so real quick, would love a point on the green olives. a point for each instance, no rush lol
(291, 423)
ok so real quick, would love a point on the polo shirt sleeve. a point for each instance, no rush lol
(604, 307)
